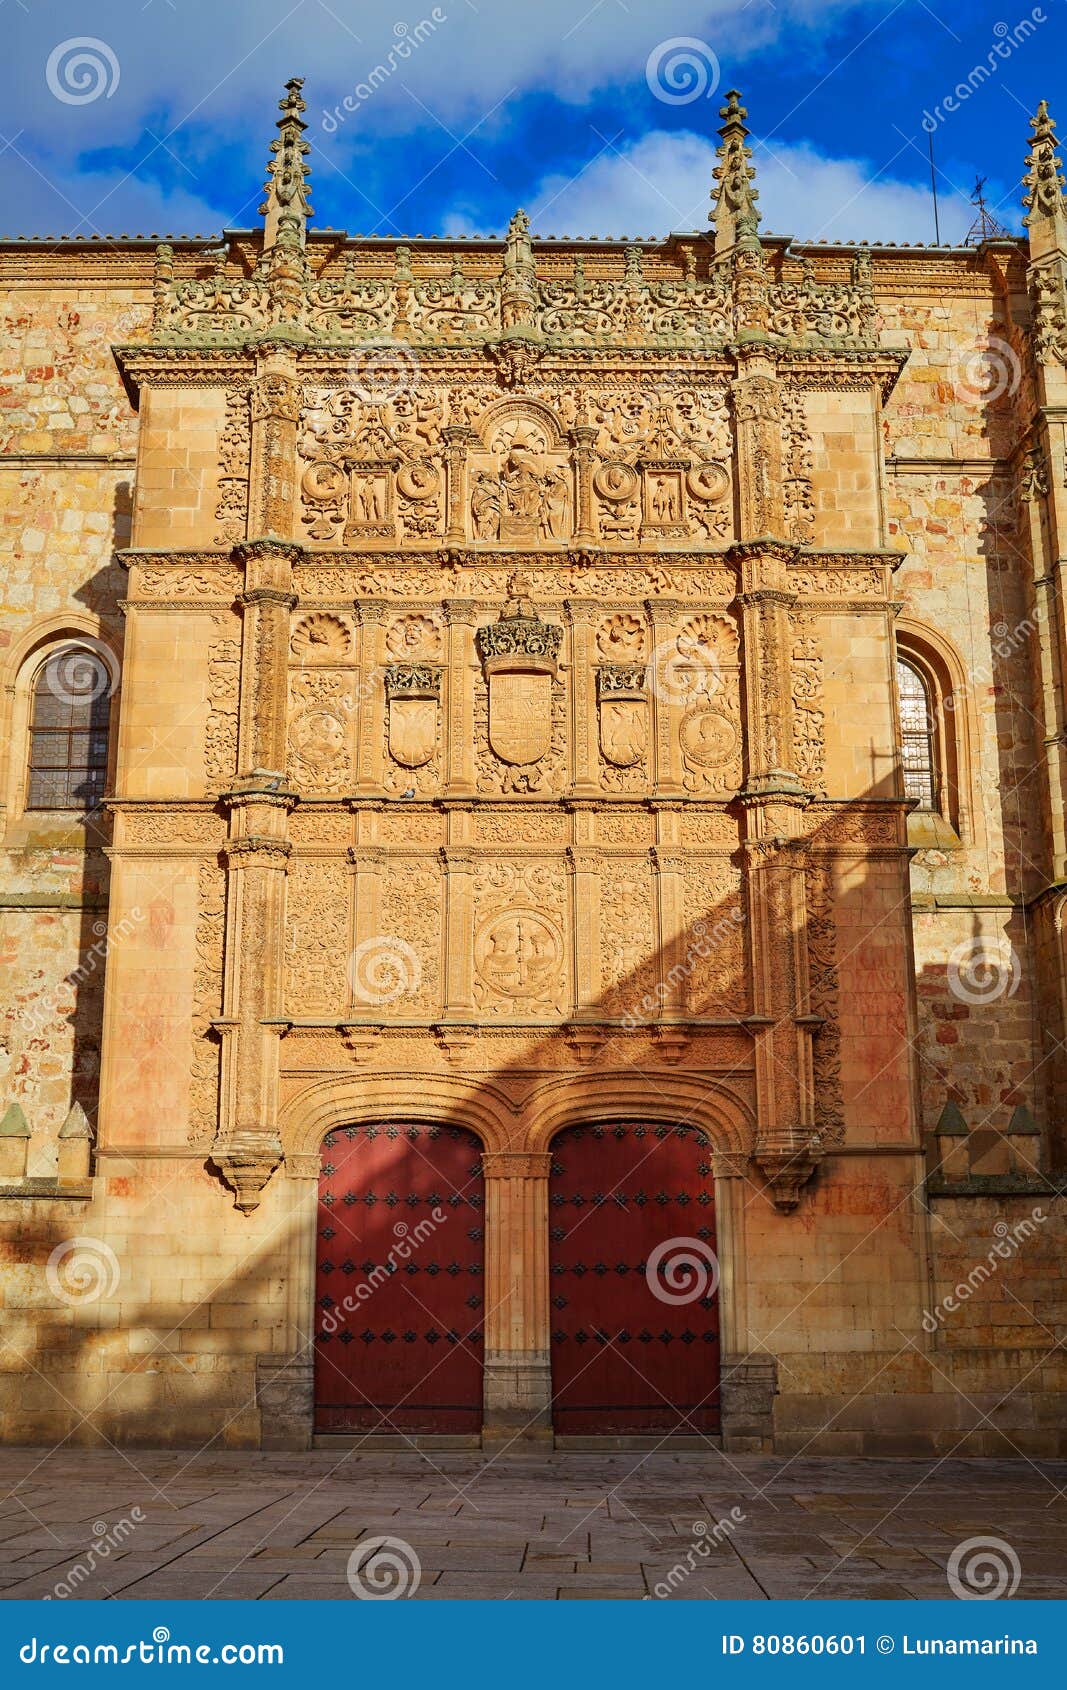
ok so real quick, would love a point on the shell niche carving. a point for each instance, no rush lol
(414, 636)
(320, 638)
(622, 636)
(709, 637)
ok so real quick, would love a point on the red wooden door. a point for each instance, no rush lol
(399, 1280)
(633, 1283)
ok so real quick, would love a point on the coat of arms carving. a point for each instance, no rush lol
(623, 712)
(519, 652)
(412, 691)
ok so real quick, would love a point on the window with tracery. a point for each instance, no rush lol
(917, 737)
(71, 708)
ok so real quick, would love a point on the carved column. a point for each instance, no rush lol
(370, 614)
(276, 404)
(518, 1374)
(366, 863)
(585, 869)
(266, 604)
(459, 933)
(460, 614)
(457, 440)
(248, 1148)
(667, 866)
(787, 1148)
(667, 702)
(765, 601)
(580, 613)
(584, 441)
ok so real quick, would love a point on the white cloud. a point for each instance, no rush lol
(202, 62)
(663, 182)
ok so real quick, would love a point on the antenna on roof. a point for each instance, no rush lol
(985, 226)
(933, 189)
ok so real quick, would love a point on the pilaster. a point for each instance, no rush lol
(518, 1375)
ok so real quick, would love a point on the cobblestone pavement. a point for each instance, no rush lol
(143, 1524)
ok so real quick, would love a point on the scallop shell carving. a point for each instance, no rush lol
(622, 636)
(321, 638)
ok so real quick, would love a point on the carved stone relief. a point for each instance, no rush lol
(519, 938)
(318, 922)
(321, 703)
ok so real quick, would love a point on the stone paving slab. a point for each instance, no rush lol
(566, 1526)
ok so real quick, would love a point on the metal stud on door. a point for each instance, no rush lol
(399, 1297)
(633, 1281)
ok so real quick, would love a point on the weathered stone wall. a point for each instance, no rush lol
(836, 1289)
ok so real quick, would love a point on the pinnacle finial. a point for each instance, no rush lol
(734, 211)
(1043, 180)
(286, 207)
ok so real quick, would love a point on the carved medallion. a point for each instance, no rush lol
(317, 737)
(615, 482)
(708, 482)
(708, 737)
(518, 953)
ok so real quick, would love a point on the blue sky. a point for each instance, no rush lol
(150, 116)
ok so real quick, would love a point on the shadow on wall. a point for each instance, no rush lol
(139, 1317)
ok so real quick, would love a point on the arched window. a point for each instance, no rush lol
(917, 737)
(71, 706)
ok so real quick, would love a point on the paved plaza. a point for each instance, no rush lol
(146, 1524)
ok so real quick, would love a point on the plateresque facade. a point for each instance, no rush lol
(534, 835)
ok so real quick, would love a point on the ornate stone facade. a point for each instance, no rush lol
(509, 737)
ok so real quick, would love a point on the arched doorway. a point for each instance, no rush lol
(633, 1281)
(399, 1280)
